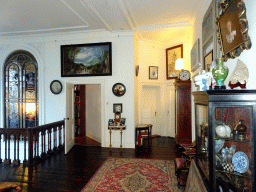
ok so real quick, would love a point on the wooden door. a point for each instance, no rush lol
(151, 107)
(70, 119)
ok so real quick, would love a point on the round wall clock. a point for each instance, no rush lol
(56, 87)
(118, 89)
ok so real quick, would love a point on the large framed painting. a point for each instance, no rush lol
(172, 54)
(233, 29)
(86, 60)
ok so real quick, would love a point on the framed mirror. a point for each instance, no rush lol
(233, 29)
(118, 89)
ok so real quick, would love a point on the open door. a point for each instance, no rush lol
(69, 120)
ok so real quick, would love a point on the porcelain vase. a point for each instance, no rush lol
(220, 73)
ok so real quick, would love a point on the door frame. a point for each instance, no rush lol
(100, 82)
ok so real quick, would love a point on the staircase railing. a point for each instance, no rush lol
(31, 145)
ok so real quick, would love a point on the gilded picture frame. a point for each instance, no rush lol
(172, 54)
(233, 29)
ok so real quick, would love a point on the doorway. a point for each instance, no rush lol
(87, 112)
(151, 107)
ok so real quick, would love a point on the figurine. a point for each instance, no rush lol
(203, 80)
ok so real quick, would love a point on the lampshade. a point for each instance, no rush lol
(179, 64)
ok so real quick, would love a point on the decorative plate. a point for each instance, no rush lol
(56, 87)
(241, 162)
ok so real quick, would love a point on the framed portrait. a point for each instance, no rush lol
(86, 60)
(233, 29)
(153, 72)
(208, 61)
(172, 54)
(117, 108)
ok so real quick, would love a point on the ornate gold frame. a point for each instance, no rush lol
(245, 39)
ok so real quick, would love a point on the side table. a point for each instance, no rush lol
(139, 128)
(121, 128)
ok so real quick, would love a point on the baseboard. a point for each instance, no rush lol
(93, 137)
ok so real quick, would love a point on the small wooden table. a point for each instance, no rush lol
(139, 128)
(121, 128)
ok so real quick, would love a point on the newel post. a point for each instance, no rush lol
(30, 146)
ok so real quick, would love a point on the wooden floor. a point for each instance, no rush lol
(86, 141)
(71, 172)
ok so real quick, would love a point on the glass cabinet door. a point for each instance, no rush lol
(202, 136)
(233, 146)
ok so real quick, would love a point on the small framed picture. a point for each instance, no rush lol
(117, 108)
(208, 61)
(123, 121)
(153, 72)
(111, 122)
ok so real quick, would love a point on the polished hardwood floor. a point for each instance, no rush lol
(71, 172)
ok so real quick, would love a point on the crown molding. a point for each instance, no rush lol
(165, 26)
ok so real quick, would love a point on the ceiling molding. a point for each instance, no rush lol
(97, 15)
(165, 26)
(71, 9)
(126, 14)
(129, 9)
(41, 30)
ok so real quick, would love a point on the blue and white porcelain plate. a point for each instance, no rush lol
(241, 162)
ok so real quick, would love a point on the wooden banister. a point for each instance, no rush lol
(35, 142)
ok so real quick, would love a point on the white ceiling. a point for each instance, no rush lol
(26, 17)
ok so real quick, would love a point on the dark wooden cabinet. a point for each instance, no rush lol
(225, 139)
(183, 111)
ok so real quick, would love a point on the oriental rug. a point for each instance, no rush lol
(134, 175)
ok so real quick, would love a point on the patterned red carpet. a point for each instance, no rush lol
(126, 174)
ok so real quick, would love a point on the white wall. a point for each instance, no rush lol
(46, 49)
(93, 112)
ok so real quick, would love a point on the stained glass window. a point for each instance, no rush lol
(21, 91)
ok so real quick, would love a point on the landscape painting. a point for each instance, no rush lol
(86, 60)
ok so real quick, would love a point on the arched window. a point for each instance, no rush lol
(21, 90)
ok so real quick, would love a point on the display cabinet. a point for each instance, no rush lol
(225, 136)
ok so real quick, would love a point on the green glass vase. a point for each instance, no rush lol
(220, 73)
